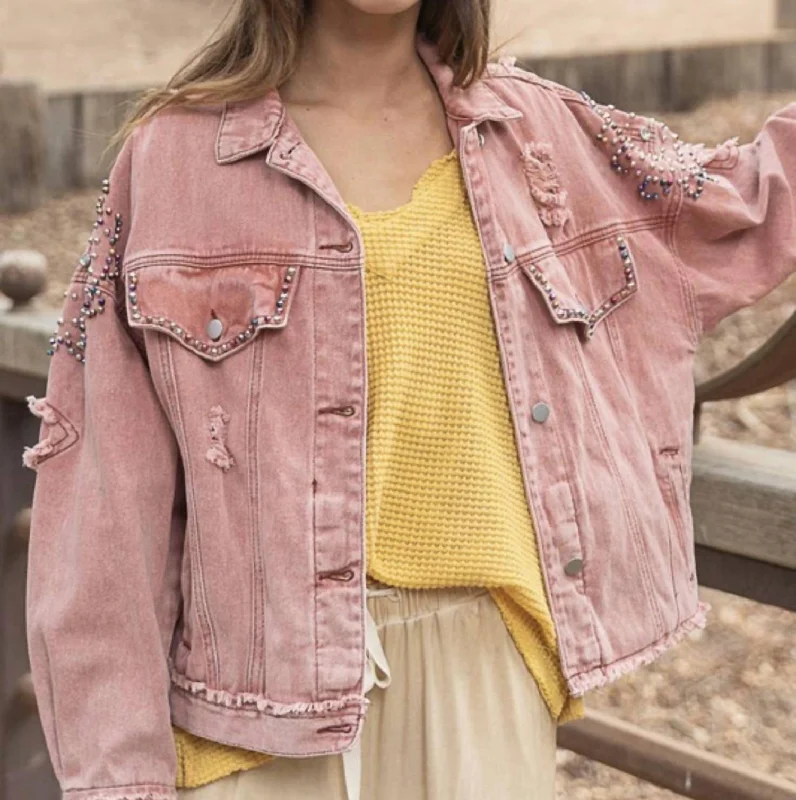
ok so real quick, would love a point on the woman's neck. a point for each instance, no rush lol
(342, 47)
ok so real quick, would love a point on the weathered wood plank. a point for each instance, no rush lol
(79, 126)
(22, 147)
(672, 765)
(772, 364)
(700, 73)
(745, 577)
(782, 63)
(63, 122)
(743, 498)
(100, 121)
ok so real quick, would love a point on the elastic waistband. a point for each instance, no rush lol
(391, 604)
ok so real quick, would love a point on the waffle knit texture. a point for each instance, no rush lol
(445, 502)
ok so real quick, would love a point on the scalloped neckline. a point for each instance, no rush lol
(432, 171)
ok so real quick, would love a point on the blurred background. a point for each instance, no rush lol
(711, 69)
(80, 43)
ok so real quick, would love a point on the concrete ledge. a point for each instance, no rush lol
(24, 340)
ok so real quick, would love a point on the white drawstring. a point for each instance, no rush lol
(375, 663)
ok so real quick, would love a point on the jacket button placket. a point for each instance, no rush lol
(573, 567)
(540, 412)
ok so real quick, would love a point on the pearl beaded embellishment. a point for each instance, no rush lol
(93, 278)
(581, 314)
(672, 163)
(212, 346)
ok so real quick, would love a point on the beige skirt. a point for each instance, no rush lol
(461, 719)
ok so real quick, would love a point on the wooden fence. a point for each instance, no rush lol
(76, 125)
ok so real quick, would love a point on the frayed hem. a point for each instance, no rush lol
(262, 703)
(41, 407)
(33, 456)
(144, 792)
(603, 675)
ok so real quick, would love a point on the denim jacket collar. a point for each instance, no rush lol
(250, 126)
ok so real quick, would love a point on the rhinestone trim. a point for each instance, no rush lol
(107, 226)
(673, 163)
(589, 319)
(208, 346)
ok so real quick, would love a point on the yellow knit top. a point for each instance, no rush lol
(445, 504)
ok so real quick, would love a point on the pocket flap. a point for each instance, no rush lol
(212, 310)
(587, 284)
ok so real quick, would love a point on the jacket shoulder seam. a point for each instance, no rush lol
(526, 76)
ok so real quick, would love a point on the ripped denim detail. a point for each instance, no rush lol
(60, 435)
(545, 184)
(218, 453)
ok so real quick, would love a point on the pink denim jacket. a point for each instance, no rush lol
(196, 550)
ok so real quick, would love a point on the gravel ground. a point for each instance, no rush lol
(727, 689)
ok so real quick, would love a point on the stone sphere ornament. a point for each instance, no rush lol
(23, 275)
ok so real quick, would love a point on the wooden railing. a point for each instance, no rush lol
(745, 497)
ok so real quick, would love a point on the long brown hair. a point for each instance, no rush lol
(255, 47)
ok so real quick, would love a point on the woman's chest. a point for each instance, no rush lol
(374, 159)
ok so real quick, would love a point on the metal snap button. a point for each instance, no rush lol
(508, 253)
(540, 412)
(214, 329)
(574, 567)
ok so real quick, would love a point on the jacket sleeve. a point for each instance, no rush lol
(106, 536)
(736, 242)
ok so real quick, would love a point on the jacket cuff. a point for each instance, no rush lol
(144, 791)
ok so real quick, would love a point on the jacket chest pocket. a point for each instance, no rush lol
(585, 284)
(213, 311)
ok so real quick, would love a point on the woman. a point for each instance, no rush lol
(367, 437)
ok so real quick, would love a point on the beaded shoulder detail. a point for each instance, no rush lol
(93, 278)
(646, 149)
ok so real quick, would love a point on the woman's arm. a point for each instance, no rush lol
(732, 207)
(106, 538)
(737, 242)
